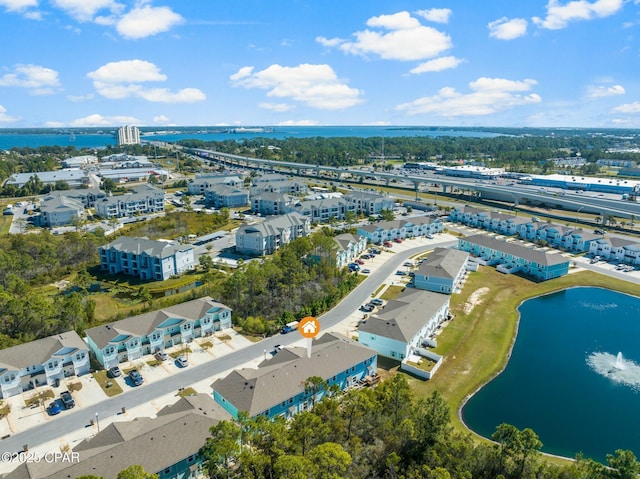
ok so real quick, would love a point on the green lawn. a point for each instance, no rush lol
(476, 345)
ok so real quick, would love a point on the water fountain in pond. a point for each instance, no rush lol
(616, 368)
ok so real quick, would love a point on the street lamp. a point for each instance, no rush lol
(97, 422)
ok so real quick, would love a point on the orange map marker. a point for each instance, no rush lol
(309, 327)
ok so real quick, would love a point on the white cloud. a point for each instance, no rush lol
(298, 123)
(277, 107)
(488, 96)
(438, 15)
(160, 119)
(604, 91)
(85, 10)
(18, 5)
(144, 21)
(127, 71)
(505, 29)
(559, 16)
(4, 118)
(124, 79)
(39, 80)
(99, 120)
(628, 108)
(399, 37)
(437, 65)
(316, 86)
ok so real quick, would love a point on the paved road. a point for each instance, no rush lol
(79, 418)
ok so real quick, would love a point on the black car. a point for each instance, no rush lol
(67, 399)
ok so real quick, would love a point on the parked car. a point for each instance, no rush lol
(388, 244)
(598, 232)
(377, 302)
(67, 399)
(366, 256)
(397, 240)
(367, 308)
(400, 273)
(359, 261)
(114, 372)
(136, 377)
(429, 236)
(354, 267)
(161, 356)
(366, 271)
(182, 361)
(54, 408)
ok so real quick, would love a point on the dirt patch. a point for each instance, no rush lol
(475, 299)
(62, 284)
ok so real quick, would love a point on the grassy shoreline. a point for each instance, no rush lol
(477, 345)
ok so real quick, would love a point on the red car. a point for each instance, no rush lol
(397, 240)
(359, 261)
(388, 244)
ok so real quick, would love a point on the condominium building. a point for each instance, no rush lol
(265, 238)
(128, 135)
(142, 199)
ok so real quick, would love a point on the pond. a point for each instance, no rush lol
(573, 375)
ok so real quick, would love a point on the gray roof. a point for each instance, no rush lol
(345, 239)
(443, 263)
(401, 319)
(53, 202)
(272, 196)
(38, 351)
(153, 248)
(178, 432)
(274, 224)
(326, 202)
(144, 324)
(256, 390)
(67, 175)
(520, 251)
(618, 242)
(224, 190)
(364, 196)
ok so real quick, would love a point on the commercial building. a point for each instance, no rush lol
(42, 362)
(265, 238)
(145, 258)
(74, 177)
(278, 387)
(131, 338)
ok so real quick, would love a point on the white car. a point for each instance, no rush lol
(182, 361)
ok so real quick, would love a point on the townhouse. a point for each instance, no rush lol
(401, 229)
(41, 362)
(265, 238)
(141, 200)
(275, 183)
(616, 249)
(167, 445)
(511, 257)
(367, 203)
(277, 386)
(399, 329)
(442, 271)
(145, 258)
(131, 338)
(223, 196)
(349, 248)
(495, 221)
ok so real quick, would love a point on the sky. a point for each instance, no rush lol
(500, 63)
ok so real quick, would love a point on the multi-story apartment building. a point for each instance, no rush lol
(616, 249)
(322, 210)
(145, 258)
(223, 196)
(442, 271)
(265, 238)
(143, 199)
(58, 210)
(272, 203)
(349, 248)
(367, 203)
(400, 229)
(128, 135)
(204, 182)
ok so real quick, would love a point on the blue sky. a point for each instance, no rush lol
(546, 63)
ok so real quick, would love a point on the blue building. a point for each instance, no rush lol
(399, 329)
(401, 229)
(442, 271)
(131, 338)
(167, 445)
(277, 386)
(511, 257)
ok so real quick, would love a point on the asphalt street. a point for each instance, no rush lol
(80, 418)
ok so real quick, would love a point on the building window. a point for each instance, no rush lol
(191, 458)
(167, 470)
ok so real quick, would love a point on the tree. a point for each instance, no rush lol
(222, 449)
(625, 464)
(330, 461)
(135, 472)
(206, 262)
(387, 215)
(108, 185)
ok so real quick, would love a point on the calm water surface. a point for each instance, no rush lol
(549, 386)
